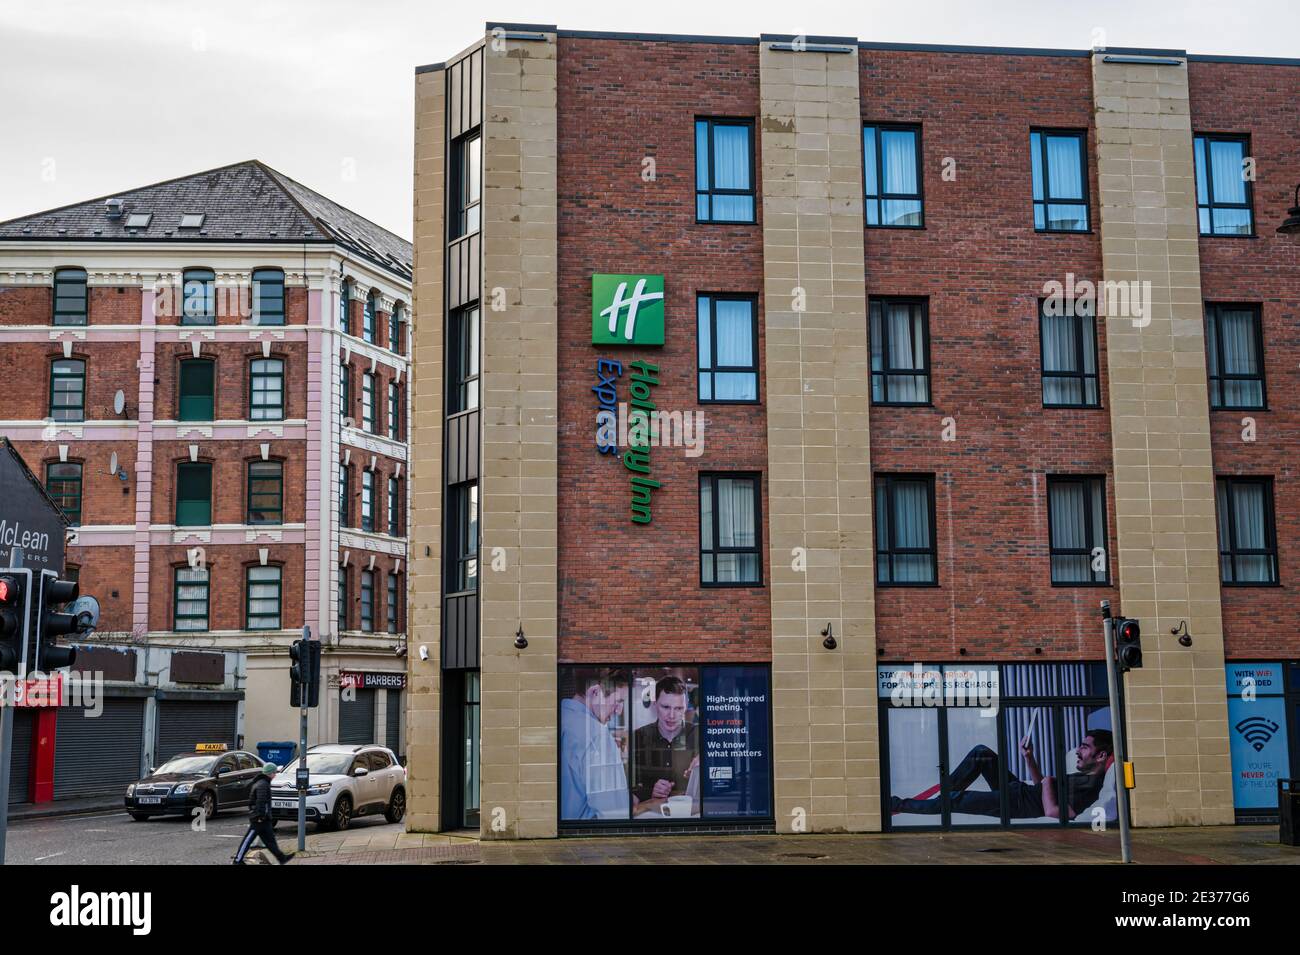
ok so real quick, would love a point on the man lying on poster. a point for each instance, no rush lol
(665, 758)
(1025, 800)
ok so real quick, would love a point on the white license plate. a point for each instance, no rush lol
(283, 803)
(150, 800)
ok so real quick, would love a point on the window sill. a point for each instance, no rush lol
(1249, 585)
(1072, 584)
(1232, 409)
(902, 404)
(1097, 407)
(726, 222)
(1038, 231)
(900, 228)
(740, 585)
(906, 585)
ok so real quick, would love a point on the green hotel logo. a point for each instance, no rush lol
(627, 309)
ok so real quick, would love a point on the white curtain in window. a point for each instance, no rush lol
(906, 350)
(911, 519)
(735, 335)
(1248, 514)
(736, 528)
(1064, 177)
(1060, 353)
(1225, 168)
(731, 157)
(1237, 335)
(898, 151)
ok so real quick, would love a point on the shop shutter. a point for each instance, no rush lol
(183, 724)
(357, 719)
(99, 755)
(20, 766)
(395, 721)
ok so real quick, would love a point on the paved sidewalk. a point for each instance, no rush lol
(1187, 846)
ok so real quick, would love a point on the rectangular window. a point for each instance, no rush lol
(367, 500)
(1068, 343)
(265, 492)
(730, 549)
(1060, 171)
(263, 593)
(345, 307)
(345, 392)
(367, 601)
(368, 423)
(394, 509)
(1076, 519)
(266, 389)
(63, 483)
(344, 495)
(466, 184)
(190, 599)
(900, 351)
(724, 170)
(268, 297)
(463, 355)
(70, 297)
(727, 332)
(68, 389)
(463, 538)
(391, 623)
(394, 412)
(368, 319)
(1234, 346)
(891, 161)
(343, 599)
(199, 297)
(1223, 193)
(197, 390)
(905, 538)
(395, 330)
(1247, 531)
(193, 495)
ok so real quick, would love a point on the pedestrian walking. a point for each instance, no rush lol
(259, 819)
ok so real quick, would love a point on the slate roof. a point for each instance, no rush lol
(243, 202)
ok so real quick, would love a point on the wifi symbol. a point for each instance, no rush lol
(1257, 731)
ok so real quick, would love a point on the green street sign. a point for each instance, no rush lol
(627, 309)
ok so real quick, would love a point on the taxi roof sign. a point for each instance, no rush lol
(211, 748)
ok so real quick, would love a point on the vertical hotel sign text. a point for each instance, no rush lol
(628, 310)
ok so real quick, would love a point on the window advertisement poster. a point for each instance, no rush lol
(737, 746)
(1257, 734)
(654, 744)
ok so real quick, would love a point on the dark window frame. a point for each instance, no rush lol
(875, 308)
(394, 507)
(343, 593)
(273, 277)
(345, 492)
(250, 510)
(1230, 482)
(63, 490)
(1080, 342)
(756, 482)
(394, 412)
(395, 330)
(249, 616)
(64, 277)
(367, 500)
(64, 411)
(880, 196)
(193, 364)
(369, 415)
(177, 584)
(459, 378)
(256, 411)
(345, 393)
(891, 548)
(462, 203)
(714, 369)
(345, 306)
(1210, 203)
(195, 467)
(1093, 483)
(208, 278)
(710, 190)
(392, 605)
(461, 549)
(367, 595)
(1214, 356)
(1081, 136)
(369, 319)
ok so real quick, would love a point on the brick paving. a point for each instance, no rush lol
(389, 845)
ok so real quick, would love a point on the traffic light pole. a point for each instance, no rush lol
(304, 775)
(1117, 734)
(6, 753)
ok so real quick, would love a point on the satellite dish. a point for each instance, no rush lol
(85, 610)
(119, 401)
(112, 464)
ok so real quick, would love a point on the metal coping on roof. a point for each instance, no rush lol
(523, 27)
(1141, 60)
(430, 68)
(885, 46)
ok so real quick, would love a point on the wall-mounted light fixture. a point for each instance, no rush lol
(1181, 632)
(1291, 224)
(829, 633)
(521, 642)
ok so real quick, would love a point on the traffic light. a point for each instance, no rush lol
(304, 673)
(1128, 643)
(13, 618)
(52, 622)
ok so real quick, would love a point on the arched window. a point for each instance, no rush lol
(199, 297)
(70, 296)
(68, 389)
(197, 390)
(63, 483)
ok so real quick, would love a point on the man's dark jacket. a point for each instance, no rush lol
(259, 806)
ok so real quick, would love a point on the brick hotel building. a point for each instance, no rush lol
(843, 255)
(210, 375)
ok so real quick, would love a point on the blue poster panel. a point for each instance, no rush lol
(1258, 743)
(737, 745)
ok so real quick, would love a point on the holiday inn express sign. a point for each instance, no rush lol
(628, 310)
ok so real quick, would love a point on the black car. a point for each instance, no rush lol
(205, 779)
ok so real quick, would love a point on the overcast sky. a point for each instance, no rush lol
(104, 95)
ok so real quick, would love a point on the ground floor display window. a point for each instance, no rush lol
(1263, 698)
(996, 744)
(665, 744)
